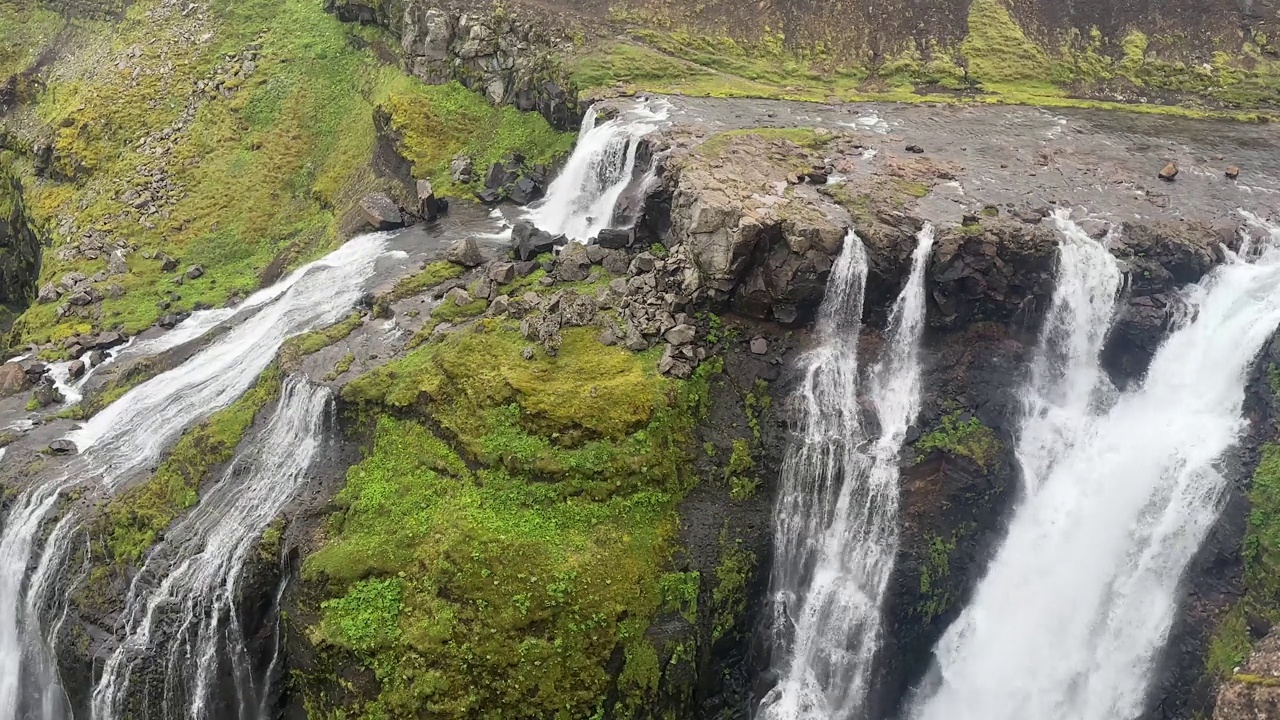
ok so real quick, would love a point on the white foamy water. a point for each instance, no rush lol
(1079, 600)
(836, 523)
(130, 435)
(582, 200)
(180, 612)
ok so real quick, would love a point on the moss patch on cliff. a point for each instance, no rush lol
(438, 122)
(25, 30)
(963, 438)
(509, 531)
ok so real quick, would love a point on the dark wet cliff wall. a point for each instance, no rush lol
(19, 245)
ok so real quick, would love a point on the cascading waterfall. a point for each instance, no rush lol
(131, 434)
(180, 610)
(1080, 598)
(581, 201)
(836, 520)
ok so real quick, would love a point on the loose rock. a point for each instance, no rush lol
(759, 346)
(1169, 172)
(62, 447)
(502, 273)
(465, 252)
(1233, 172)
(681, 334)
(380, 211)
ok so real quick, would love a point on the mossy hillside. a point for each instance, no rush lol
(267, 172)
(438, 123)
(510, 531)
(995, 62)
(25, 30)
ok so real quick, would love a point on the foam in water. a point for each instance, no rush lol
(582, 200)
(131, 434)
(180, 613)
(1080, 598)
(836, 520)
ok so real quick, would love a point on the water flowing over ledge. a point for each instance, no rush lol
(837, 515)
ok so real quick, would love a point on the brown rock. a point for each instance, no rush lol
(13, 379)
(1169, 172)
(1233, 172)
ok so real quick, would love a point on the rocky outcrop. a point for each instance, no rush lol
(507, 54)
(1253, 692)
(20, 245)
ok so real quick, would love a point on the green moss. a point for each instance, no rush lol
(134, 519)
(430, 276)
(528, 547)
(804, 137)
(756, 403)
(729, 597)
(970, 439)
(997, 50)
(934, 571)
(296, 348)
(452, 312)
(740, 472)
(344, 364)
(438, 122)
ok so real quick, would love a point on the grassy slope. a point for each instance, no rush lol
(265, 173)
(1004, 66)
(494, 575)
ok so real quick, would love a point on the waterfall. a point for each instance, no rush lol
(583, 198)
(1080, 598)
(180, 609)
(836, 528)
(132, 433)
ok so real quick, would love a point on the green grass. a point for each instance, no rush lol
(740, 472)
(969, 439)
(26, 28)
(729, 596)
(295, 348)
(509, 528)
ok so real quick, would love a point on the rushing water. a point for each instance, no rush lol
(1080, 598)
(583, 198)
(129, 436)
(180, 625)
(836, 530)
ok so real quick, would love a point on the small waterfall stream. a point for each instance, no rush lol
(130, 435)
(180, 613)
(1080, 598)
(583, 198)
(836, 530)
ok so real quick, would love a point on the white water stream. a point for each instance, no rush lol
(180, 616)
(129, 436)
(836, 523)
(583, 198)
(1080, 598)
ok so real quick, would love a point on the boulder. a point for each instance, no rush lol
(573, 264)
(105, 340)
(681, 335)
(759, 346)
(167, 263)
(194, 272)
(524, 191)
(502, 273)
(75, 369)
(531, 242)
(489, 196)
(62, 447)
(428, 209)
(458, 296)
(48, 293)
(116, 263)
(381, 212)
(460, 169)
(642, 263)
(46, 393)
(500, 175)
(465, 252)
(1169, 173)
(13, 379)
(615, 239)
(501, 305)
(915, 149)
(1233, 172)
(80, 298)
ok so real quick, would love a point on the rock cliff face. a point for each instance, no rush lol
(19, 246)
(507, 55)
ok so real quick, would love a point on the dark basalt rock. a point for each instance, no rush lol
(530, 242)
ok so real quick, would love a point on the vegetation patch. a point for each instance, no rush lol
(935, 569)
(729, 597)
(510, 528)
(963, 438)
(295, 348)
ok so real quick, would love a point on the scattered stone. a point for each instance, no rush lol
(97, 357)
(573, 263)
(526, 268)
(530, 242)
(13, 379)
(116, 263)
(615, 239)
(642, 263)
(46, 393)
(76, 350)
(1169, 172)
(62, 447)
(80, 299)
(759, 346)
(428, 207)
(115, 292)
(465, 252)
(634, 341)
(608, 337)
(75, 369)
(524, 191)
(167, 263)
(527, 353)
(484, 288)
(501, 305)
(194, 272)
(596, 254)
(489, 196)
(49, 293)
(915, 149)
(461, 169)
(681, 334)
(502, 273)
(1233, 172)
(380, 211)
(458, 296)
(785, 313)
